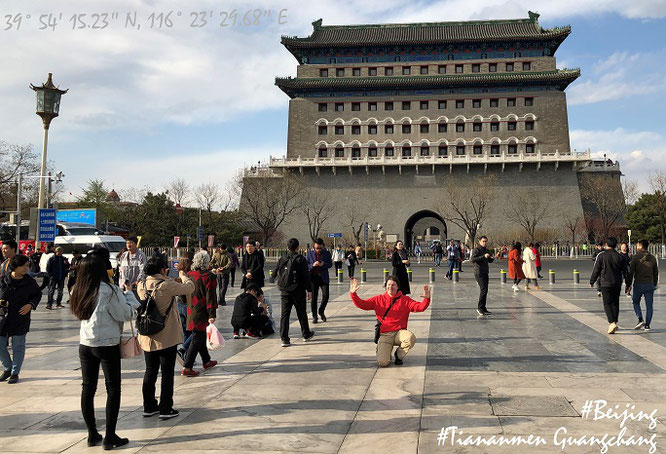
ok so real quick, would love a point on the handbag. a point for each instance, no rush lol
(129, 348)
(378, 325)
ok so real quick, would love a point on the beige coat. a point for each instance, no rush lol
(529, 263)
(172, 334)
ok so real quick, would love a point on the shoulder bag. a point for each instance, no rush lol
(378, 325)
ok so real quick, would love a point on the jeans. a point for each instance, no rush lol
(222, 285)
(18, 350)
(164, 360)
(297, 300)
(317, 283)
(438, 259)
(197, 346)
(452, 266)
(109, 358)
(611, 297)
(646, 290)
(482, 280)
(52, 288)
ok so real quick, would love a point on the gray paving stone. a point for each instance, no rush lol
(554, 406)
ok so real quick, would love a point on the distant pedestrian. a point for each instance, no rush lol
(626, 255)
(252, 266)
(516, 265)
(438, 252)
(392, 310)
(529, 267)
(481, 257)
(359, 252)
(644, 274)
(338, 256)
(131, 263)
(57, 269)
(610, 269)
(597, 251)
(418, 250)
(319, 261)
(73, 266)
(452, 256)
(293, 281)
(221, 263)
(9, 249)
(351, 261)
(537, 252)
(233, 266)
(400, 262)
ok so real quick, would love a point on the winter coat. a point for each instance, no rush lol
(480, 262)
(515, 265)
(202, 304)
(18, 293)
(112, 309)
(167, 291)
(400, 271)
(57, 267)
(254, 264)
(644, 269)
(221, 260)
(529, 263)
(397, 317)
(610, 268)
(321, 271)
(302, 273)
(245, 307)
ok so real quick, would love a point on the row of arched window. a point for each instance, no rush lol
(389, 150)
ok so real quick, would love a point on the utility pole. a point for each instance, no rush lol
(199, 231)
(18, 208)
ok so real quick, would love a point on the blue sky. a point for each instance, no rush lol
(149, 106)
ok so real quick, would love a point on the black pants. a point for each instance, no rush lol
(482, 280)
(222, 285)
(611, 297)
(317, 283)
(516, 281)
(254, 324)
(197, 346)
(232, 275)
(165, 360)
(109, 358)
(296, 300)
(70, 283)
(539, 271)
(350, 269)
(53, 284)
(338, 266)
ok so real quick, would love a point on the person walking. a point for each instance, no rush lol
(233, 266)
(57, 268)
(597, 251)
(481, 257)
(644, 275)
(252, 266)
(73, 266)
(437, 251)
(400, 262)
(537, 262)
(160, 348)
(351, 261)
(359, 252)
(201, 311)
(418, 250)
(392, 310)
(102, 309)
(529, 267)
(293, 281)
(610, 269)
(516, 265)
(221, 263)
(626, 255)
(319, 261)
(19, 295)
(452, 256)
(338, 256)
(131, 263)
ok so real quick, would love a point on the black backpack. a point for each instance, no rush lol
(149, 321)
(286, 274)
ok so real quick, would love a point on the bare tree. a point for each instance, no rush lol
(573, 225)
(529, 210)
(179, 191)
(658, 185)
(630, 191)
(268, 200)
(15, 159)
(607, 199)
(317, 209)
(208, 196)
(355, 220)
(468, 206)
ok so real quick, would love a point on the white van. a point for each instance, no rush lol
(83, 243)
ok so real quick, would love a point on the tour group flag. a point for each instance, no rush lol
(176, 239)
(139, 242)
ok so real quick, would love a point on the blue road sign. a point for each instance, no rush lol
(47, 225)
(334, 235)
(200, 233)
(86, 216)
(365, 231)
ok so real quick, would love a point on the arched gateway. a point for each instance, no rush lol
(426, 224)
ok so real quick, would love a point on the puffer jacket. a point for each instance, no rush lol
(105, 326)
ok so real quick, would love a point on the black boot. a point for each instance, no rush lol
(114, 442)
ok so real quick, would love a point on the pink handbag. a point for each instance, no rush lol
(129, 347)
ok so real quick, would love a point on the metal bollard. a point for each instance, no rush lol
(503, 276)
(409, 274)
(386, 274)
(340, 274)
(364, 277)
(551, 276)
(431, 274)
(456, 276)
(271, 278)
(576, 276)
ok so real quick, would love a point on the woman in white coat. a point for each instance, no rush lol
(529, 267)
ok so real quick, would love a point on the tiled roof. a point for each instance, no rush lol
(425, 33)
(561, 77)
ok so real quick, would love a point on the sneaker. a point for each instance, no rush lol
(647, 328)
(13, 379)
(639, 325)
(149, 413)
(5, 375)
(398, 361)
(59, 306)
(612, 328)
(189, 373)
(250, 335)
(527, 287)
(307, 338)
(236, 336)
(537, 288)
(170, 414)
(114, 442)
(210, 364)
(180, 357)
(598, 293)
(515, 288)
(50, 308)
(487, 312)
(479, 312)
(286, 343)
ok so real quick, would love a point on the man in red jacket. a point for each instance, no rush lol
(393, 330)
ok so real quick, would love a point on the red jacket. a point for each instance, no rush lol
(515, 265)
(537, 262)
(399, 313)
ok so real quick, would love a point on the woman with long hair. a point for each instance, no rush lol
(102, 308)
(515, 265)
(400, 262)
(529, 267)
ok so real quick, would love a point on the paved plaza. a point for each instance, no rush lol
(527, 370)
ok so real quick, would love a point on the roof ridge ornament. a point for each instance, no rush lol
(317, 24)
(534, 17)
